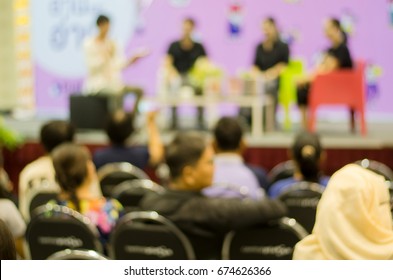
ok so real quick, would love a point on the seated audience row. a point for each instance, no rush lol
(205, 220)
(206, 181)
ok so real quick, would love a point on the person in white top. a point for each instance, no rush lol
(105, 62)
(41, 171)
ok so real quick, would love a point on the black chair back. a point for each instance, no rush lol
(38, 193)
(131, 192)
(68, 254)
(54, 228)
(273, 241)
(112, 174)
(148, 236)
(377, 167)
(41, 198)
(301, 200)
(281, 171)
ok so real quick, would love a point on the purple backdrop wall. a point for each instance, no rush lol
(369, 22)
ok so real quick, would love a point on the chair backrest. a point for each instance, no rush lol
(301, 200)
(41, 198)
(344, 86)
(273, 241)
(54, 228)
(148, 236)
(281, 171)
(377, 167)
(112, 174)
(130, 193)
(68, 254)
(39, 192)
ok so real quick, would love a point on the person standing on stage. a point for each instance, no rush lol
(271, 57)
(181, 57)
(336, 57)
(105, 63)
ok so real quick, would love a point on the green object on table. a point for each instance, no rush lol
(287, 88)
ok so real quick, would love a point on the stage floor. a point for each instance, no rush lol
(334, 134)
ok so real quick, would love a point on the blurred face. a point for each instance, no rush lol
(104, 28)
(269, 30)
(188, 28)
(331, 32)
(200, 175)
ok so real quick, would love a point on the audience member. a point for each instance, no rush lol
(75, 172)
(232, 177)
(353, 219)
(10, 215)
(191, 165)
(7, 245)
(120, 128)
(308, 155)
(52, 134)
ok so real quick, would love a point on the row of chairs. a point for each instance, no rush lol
(112, 175)
(301, 199)
(57, 232)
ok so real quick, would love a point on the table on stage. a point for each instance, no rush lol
(210, 102)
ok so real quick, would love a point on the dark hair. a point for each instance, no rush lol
(190, 20)
(228, 134)
(336, 23)
(184, 150)
(55, 133)
(7, 243)
(102, 19)
(119, 127)
(271, 20)
(306, 152)
(70, 164)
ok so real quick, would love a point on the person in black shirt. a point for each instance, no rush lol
(181, 57)
(271, 56)
(336, 57)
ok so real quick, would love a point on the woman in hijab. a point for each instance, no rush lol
(353, 219)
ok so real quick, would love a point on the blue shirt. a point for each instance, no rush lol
(280, 186)
(233, 179)
(136, 155)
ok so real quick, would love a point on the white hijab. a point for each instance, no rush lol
(353, 219)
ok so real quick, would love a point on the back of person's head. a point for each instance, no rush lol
(353, 220)
(7, 243)
(55, 133)
(71, 164)
(189, 158)
(102, 19)
(307, 151)
(119, 127)
(228, 134)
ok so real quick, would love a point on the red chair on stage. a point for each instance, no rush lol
(342, 87)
